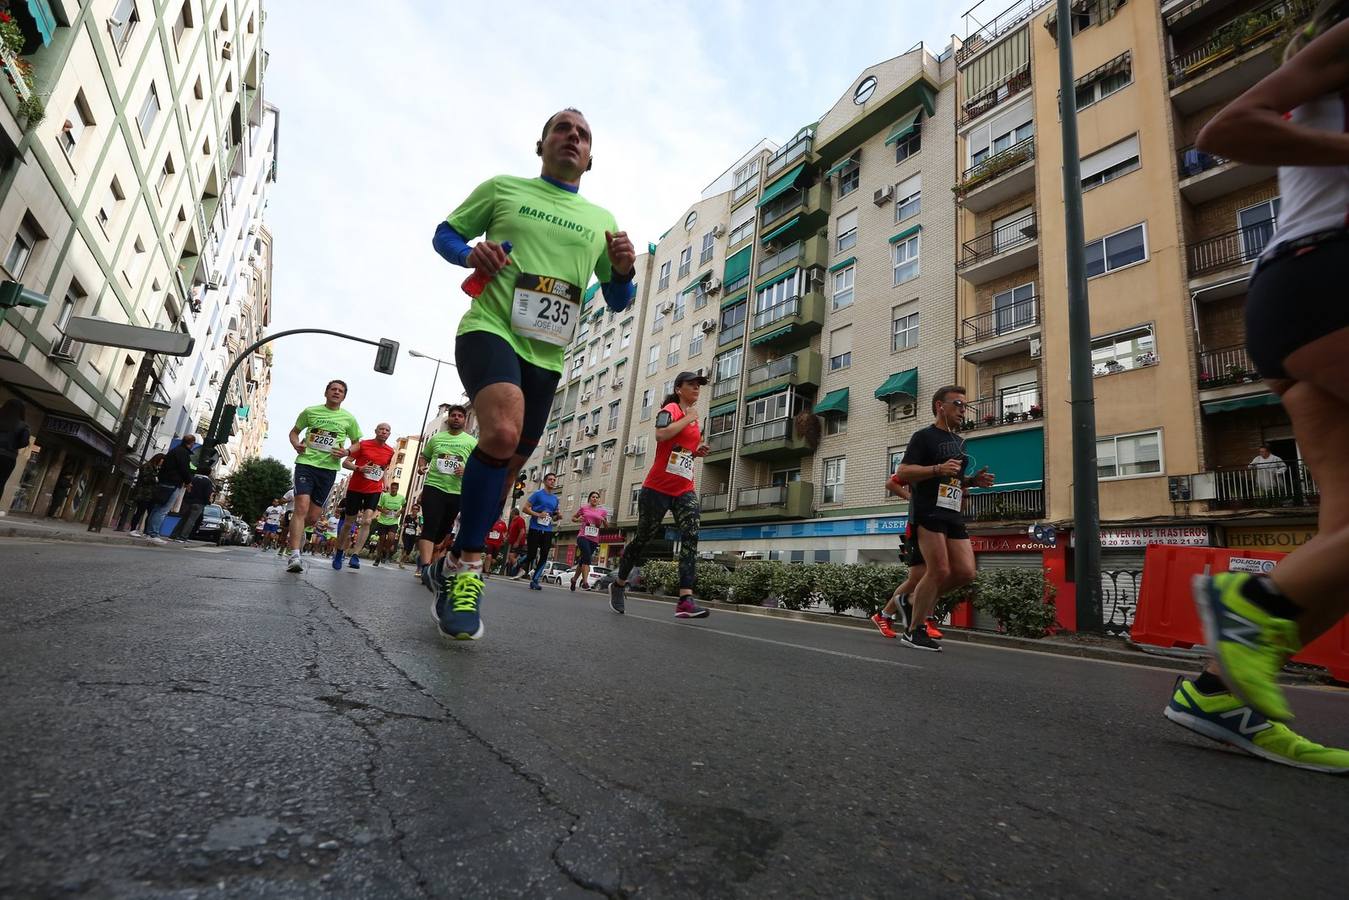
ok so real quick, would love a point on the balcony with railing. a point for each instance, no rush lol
(1233, 55)
(1279, 485)
(991, 98)
(724, 387)
(1004, 331)
(796, 148)
(793, 500)
(999, 178)
(1000, 251)
(799, 211)
(1236, 249)
(719, 446)
(772, 440)
(1206, 176)
(714, 506)
(1002, 24)
(1017, 505)
(1227, 373)
(789, 321)
(809, 252)
(800, 368)
(1019, 405)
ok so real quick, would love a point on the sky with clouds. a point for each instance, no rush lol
(390, 115)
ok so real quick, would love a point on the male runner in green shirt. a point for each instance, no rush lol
(510, 343)
(327, 430)
(386, 521)
(444, 457)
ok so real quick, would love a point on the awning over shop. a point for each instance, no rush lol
(781, 229)
(835, 402)
(904, 127)
(781, 186)
(1016, 459)
(1222, 406)
(905, 383)
(737, 266)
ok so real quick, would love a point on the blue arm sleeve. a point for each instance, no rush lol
(451, 245)
(620, 292)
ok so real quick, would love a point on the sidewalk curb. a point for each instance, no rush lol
(1057, 647)
(39, 533)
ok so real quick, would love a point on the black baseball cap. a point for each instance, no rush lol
(689, 376)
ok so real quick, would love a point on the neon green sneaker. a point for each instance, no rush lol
(457, 607)
(1249, 644)
(1222, 717)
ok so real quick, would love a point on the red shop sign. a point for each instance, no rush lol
(1006, 543)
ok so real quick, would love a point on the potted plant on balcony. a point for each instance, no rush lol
(10, 33)
(1010, 416)
(1035, 411)
(989, 419)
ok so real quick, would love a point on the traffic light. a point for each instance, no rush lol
(519, 490)
(386, 356)
(13, 294)
(225, 427)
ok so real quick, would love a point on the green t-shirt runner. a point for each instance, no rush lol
(554, 234)
(389, 507)
(325, 429)
(448, 455)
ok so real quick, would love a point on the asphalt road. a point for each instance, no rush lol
(193, 722)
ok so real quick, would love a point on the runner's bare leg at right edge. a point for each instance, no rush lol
(542, 243)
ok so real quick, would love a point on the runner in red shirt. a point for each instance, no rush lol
(496, 535)
(669, 488)
(369, 464)
(517, 539)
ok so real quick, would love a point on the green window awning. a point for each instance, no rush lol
(781, 229)
(590, 293)
(843, 264)
(905, 383)
(772, 335)
(769, 282)
(843, 164)
(835, 402)
(724, 408)
(621, 362)
(763, 392)
(737, 266)
(739, 298)
(904, 127)
(782, 185)
(906, 233)
(651, 248)
(553, 425)
(1017, 459)
(697, 281)
(602, 372)
(568, 417)
(41, 11)
(1222, 406)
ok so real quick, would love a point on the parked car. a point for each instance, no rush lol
(239, 533)
(553, 572)
(635, 581)
(211, 526)
(596, 573)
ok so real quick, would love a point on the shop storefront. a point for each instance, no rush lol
(1122, 551)
(1279, 538)
(1003, 551)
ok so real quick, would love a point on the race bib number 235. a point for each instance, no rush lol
(545, 309)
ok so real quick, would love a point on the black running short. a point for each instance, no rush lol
(910, 553)
(381, 529)
(1294, 300)
(484, 359)
(355, 503)
(585, 551)
(439, 509)
(954, 531)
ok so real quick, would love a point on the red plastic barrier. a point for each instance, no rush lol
(1166, 615)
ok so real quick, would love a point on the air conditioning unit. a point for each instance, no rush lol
(592, 430)
(576, 466)
(771, 247)
(213, 285)
(1034, 348)
(227, 50)
(65, 348)
(629, 449)
(585, 398)
(817, 277)
(712, 286)
(708, 325)
(718, 231)
(883, 195)
(618, 383)
(665, 307)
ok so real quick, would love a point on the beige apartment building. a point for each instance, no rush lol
(111, 205)
(1171, 234)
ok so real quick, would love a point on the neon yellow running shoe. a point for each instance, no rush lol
(1224, 718)
(1249, 644)
(457, 607)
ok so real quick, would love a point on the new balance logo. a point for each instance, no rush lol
(1246, 726)
(1240, 630)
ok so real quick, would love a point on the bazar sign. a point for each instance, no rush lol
(1269, 538)
(1183, 535)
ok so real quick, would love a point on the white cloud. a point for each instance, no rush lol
(388, 120)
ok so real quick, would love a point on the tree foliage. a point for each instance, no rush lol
(255, 485)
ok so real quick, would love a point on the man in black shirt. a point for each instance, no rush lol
(174, 472)
(934, 466)
(200, 492)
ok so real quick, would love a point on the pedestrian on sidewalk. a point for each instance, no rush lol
(14, 436)
(669, 488)
(143, 494)
(174, 474)
(1297, 334)
(200, 492)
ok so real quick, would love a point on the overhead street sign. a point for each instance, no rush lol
(132, 337)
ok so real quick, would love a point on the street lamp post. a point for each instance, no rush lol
(421, 434)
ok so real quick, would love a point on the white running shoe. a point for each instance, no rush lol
(295, 564)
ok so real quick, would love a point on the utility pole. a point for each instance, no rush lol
(108, 480)
(1086, 500)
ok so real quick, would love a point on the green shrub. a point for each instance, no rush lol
(1020, 599)
(661, 576)
(794, 585)
(833, 585)
(713, 582)
(947, 603)
(753, 582)
(872, 585)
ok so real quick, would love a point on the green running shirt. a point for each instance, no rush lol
(325, 427)
(448, 455)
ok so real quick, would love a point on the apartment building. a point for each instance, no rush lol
(253, 384)
(112, 205)
(1170, 237)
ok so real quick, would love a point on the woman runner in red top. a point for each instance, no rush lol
(669, 488)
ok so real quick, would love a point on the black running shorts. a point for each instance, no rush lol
(484, 359)
(1294, 300)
